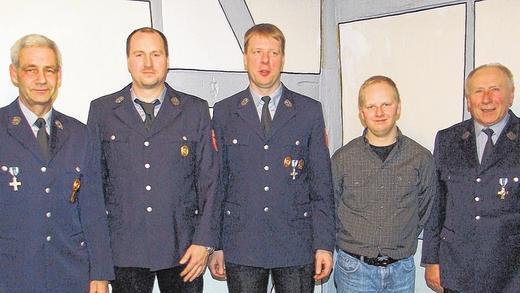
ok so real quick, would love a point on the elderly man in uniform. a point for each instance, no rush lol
(159, 174)
(53, 230)
(472, 240)
(278, 214)
(384, 184)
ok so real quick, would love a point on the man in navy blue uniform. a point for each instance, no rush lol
(159, 174)
(53, 230)
(278, 214)
(472, 239)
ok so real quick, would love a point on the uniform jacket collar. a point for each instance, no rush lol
(125, 111)
(507, 143)
(19, 129)
(285, 111)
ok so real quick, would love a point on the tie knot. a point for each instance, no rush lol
(266, 99)
(488, 131)
(40, 122)
(148, 108)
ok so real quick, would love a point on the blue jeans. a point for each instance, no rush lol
(354, 276)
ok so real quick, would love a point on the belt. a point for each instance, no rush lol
(380, 261)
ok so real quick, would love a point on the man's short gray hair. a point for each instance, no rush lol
(498, 66)
(33, 40)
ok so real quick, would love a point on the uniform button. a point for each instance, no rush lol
(78, 169)
(266, 168)
(47, 190)
(149, 209)
(266, 188)
(305, 214)
(43, 169)
(266, 147)
(106, 212)
(184, 138)
(235, 141)
(478, 179)
(477, 198)
(48, 214)
(4, 168)
(146, 143)
(82, 243)
(228, 212)
(297, 142)
(515, 179)
(196, 212)
(48, 238)
(148, 187)
(477, 218)
(266, 209)
(112, 137)
(147, 166)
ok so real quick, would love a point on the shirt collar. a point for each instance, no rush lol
(397, 139)
(31, 117)
(160, 98)
(497, 127)
(275, 96)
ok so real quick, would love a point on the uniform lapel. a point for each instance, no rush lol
(468, 145)
(246, 110)
(125, 111)
(20, 130)
(284, 112)
(170, 109)
(59, 134)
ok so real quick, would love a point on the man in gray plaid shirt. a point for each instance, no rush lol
(384, 183)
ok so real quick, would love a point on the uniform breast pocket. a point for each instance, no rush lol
(355, 196)
(237, 150)
(115, 146)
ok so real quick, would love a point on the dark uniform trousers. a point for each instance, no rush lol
(141, 280)
(246, 279)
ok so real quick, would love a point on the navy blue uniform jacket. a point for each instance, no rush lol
(472, 233)
(160, 183)
(270, 219)
(48, 243)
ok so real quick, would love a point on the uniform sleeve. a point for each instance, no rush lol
(321, 192)
(207, 232)
(431, 239)
(93, 216)
(223, 167)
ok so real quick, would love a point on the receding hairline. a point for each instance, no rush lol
(147, 30)
(34, 41)
(500, 67)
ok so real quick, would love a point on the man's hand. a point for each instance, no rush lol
(322, 264)
(216, 265)
(195, 259)
(98, 286)
(432, 275)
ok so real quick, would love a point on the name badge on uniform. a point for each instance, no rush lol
(14, 181)
(502, 192)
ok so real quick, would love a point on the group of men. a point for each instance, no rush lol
(153, 187)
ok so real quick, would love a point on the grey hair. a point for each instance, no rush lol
(33, 40)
